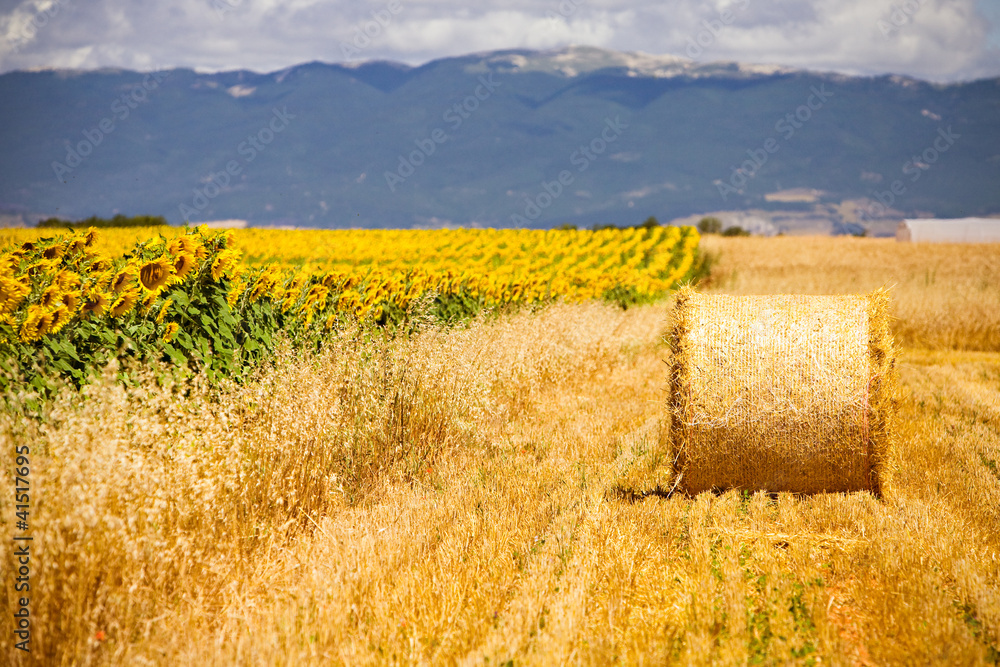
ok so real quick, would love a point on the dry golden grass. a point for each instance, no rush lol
(484, 493)
(946, 295)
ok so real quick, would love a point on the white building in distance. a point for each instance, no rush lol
(949, 230)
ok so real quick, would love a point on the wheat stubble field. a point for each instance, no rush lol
(489, 495)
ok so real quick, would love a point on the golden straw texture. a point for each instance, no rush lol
(782, 393)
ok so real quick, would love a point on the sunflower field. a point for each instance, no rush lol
(71, 303)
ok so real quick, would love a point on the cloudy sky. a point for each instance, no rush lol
(939, 40)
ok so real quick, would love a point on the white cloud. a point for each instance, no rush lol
(940, 40)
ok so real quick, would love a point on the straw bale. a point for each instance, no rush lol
(782, 393)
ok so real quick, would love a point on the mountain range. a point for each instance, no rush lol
(578, 135)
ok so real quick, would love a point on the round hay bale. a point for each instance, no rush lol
(782, 393)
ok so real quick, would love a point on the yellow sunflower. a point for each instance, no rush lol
(235, 290)
(60, 318)
(124, 303)
(51, 296)
(184, 264)
(72, 300)
(54, 251)
(123, 278)
(171, 329)
(289, 299)
(332, 278)
(259, 289)
(42, 267)
(316, 297)
(269, 282)
(76, 244)
(163, 310)
(12, 294)
(156, 273)
(149, 299)
(224, 263)
(184, 243)
(98, 263)
(306, 313)
(95, 304)
(67, 280)
(36, 324)
(8, 265)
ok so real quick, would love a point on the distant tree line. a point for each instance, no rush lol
(707, 225)
(649, 223)
(117, 221)
(712, 225)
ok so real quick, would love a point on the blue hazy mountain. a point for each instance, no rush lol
(578, 135)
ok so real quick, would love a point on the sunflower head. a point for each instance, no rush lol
(170, 331)
(72, 300)
(259, 289)
(225, 263)
(36, 324)
(235, 290)
(67, 280)
(77, 244)
(149, 299)
(8, 264)
(54, 251)
(60, 318)
(316, 296)
(122, 279)
(332, 278)
(42, 267)
(95, 304)
(91, 237)
(12, 294)
(291, 295)
(124, 303)
(156, 273)
(51, 296)
(98, 263)
(163, 310)
(184, 264)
